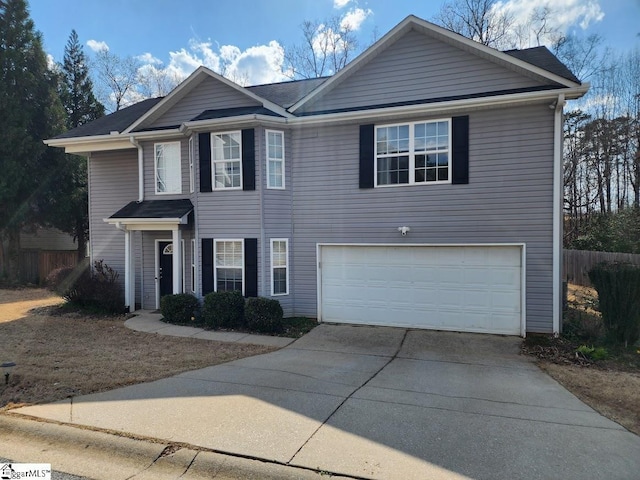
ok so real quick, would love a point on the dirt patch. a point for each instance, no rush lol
(611, 385)
(58, 356)
(615, 394)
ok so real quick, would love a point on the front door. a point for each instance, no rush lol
(165, 268)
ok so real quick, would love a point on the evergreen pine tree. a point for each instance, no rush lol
(30, 111)
(67, 208)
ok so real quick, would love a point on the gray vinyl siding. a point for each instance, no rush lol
(211, 94)
(417, 67)
(113, 182)
(508, 199)
(277, 209)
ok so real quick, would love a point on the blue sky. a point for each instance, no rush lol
(250, 34)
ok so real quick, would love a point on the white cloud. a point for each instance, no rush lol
(97, 46)
(564, 13)
(255, 65)
(149, 59)
(354, 18)
(51, 63)
(340, 3)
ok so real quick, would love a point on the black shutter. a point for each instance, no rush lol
(248, 159)
(207, 266)
(251, 267)
(366, 156)
(460, 154)
(204, 150)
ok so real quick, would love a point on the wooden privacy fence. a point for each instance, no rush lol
(577, 263)
(35, 265)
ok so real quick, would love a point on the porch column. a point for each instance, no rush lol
(177, 260)
(127, 270)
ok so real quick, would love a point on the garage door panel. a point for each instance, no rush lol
(473, 288)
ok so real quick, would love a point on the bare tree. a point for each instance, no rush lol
(117, 78)
(156, 81)
(582, 55)
(478, 20)
(326, 49)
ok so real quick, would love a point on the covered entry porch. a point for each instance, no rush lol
(167, 219)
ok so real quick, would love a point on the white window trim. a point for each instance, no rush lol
(286, 242)
(184, 257)
(155, 168)
(213, 162)
(411, 154)
(215, 261)
(269, 159)
(194, 270)
(192, 178)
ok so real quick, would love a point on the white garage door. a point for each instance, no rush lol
(460, 288)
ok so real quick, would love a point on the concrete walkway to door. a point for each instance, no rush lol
(374, 402)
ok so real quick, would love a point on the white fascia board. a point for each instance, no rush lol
(148, 223)
(201, 125)
(444, 107)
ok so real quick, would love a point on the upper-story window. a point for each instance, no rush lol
(275, 159)
(413, 153)
(167, 168)
(192, 175)
(226, 156)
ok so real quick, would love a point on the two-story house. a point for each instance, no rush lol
(421, 186)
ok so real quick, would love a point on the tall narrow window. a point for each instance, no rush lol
(279, 266)
(184, 266)
(226, 156)
(167, 168)
(275, 159)
(229, 265)
(192, 176)
(193, 265)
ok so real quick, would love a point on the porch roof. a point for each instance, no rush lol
(153, 212)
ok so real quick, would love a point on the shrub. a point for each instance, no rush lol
(94, 289)
(179, 308)
(223, 310)
(595, 353)
(263, 315)
(618, 286)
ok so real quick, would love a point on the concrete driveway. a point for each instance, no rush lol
(375, 402)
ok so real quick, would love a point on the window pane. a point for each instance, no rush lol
(226, 146)
(228, 279)
(443, 174)
(279, 281)
(443, 159)
(393, 170)
(431, 175)
(227, 174)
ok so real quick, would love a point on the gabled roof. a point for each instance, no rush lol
(114, 122)
(541, 57)
(414, 23)
(187, 86)
(287, 93)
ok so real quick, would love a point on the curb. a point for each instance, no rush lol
(99, 455)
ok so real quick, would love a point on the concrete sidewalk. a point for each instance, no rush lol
(372, 402)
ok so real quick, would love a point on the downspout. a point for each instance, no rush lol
(557, 211)
(140, 199)
(140, 168)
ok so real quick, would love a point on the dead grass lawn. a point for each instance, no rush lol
(59, 356)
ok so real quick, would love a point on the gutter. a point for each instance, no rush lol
(557, 210)
(140, 168)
